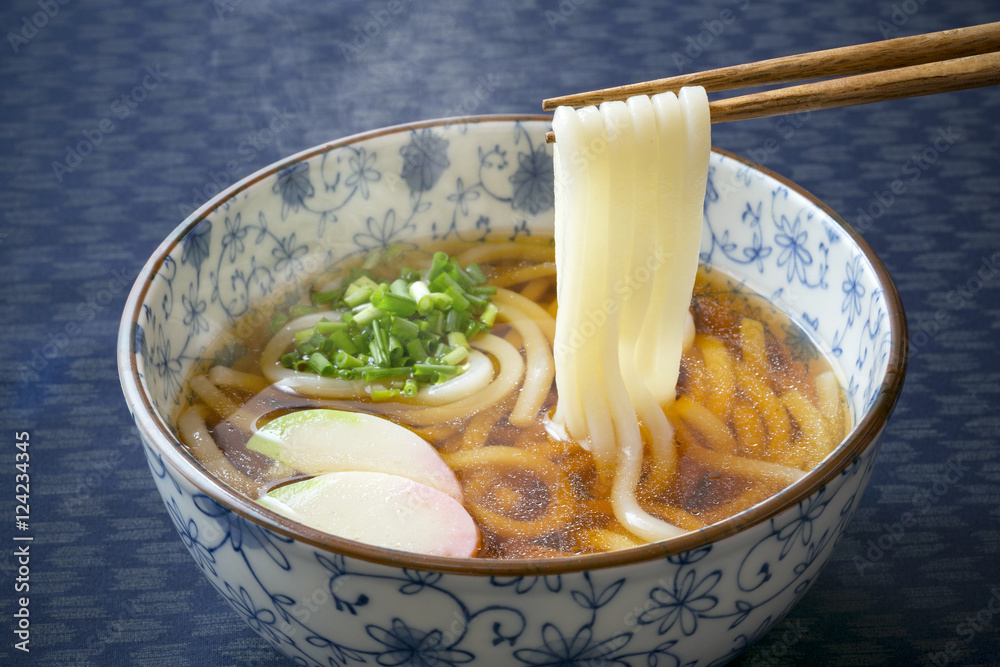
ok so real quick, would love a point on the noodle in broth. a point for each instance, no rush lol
(757, 406)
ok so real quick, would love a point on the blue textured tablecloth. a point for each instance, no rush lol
(119, 117)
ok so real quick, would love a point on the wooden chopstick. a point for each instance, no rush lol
(842, 61)
(894, 84)
(884, 76)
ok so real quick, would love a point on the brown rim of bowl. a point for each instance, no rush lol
(156, 431)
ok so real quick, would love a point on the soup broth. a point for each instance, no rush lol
(757, 406)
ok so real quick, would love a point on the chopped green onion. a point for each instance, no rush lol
(277, 322)
(400, 287)
(456, 356)
(416, 350)
(459, 274)
(344, 342)
(489, 316)
(434, 323)
(395, 347)
(476, 273)
(358, 296)
(458, 339)
(459, 301)
(365, 280)
(395, 334)
(344, 360)
(359, 291)
(475, 300)
(396, 304)
(441, 301)
(326, 327)
(410, 387)
(367, 315)
(374, 373)
(409, 275)
(472, 327)
(421, 371)
(304, 335)
(329, 296)
(300, 309)
(443, 281)
(318, 363)
(438, 264)
(453, 321)
(406, 330)
(379, 347)
(420, 293)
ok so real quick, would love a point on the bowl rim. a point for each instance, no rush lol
(160, 437)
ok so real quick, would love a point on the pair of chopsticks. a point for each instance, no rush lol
(937, 62)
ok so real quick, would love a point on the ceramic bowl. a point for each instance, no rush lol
(699, 599)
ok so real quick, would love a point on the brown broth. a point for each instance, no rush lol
(696, 494)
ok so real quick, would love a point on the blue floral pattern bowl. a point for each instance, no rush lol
(699, 599)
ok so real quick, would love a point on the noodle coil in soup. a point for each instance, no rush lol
(757, 406)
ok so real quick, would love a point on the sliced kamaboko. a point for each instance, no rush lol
(627, 231)
(380, 509)
(323, 440)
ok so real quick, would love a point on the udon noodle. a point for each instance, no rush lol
(628, 230)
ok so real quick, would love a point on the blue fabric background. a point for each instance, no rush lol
(164, 102)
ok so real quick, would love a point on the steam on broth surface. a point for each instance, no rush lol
(757, 405)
